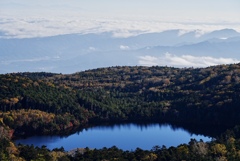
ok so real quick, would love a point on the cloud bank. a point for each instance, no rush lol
(184, 60)
(30, 27)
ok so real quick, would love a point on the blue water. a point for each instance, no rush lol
(126, 137)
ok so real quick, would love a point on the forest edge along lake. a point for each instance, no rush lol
(124, 136)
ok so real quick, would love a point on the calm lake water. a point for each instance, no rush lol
(126, 137)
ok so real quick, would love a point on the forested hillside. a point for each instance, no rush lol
(47, 103)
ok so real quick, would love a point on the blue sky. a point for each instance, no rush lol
(28, 18)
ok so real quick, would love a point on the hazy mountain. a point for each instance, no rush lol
(225, 33)
(74, 52)
(180, 37)
(214, 48)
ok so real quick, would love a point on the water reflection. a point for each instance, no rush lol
(124, 136)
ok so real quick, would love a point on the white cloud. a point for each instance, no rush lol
(124, 47)
(92, 48)
(46, 58)
(148, 60)
(199, 33)
(182, 32)
(14, 27)
(184, 60)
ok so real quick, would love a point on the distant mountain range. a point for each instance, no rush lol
(76, 52)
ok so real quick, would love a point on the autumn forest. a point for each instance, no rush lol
(52, 103)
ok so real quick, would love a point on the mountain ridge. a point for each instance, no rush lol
(66, 53)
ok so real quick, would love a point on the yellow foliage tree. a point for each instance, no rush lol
(219, 149)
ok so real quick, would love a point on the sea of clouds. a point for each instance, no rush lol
(184, 60)
(29, 27)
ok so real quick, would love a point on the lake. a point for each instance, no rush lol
(124, 136)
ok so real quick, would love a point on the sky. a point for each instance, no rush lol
(197, 9)
(39, 18)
